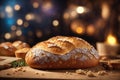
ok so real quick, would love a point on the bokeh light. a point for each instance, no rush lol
(105, 11)
(8, 9)
(7, 36)
(29, 16)
(66, 15)
(35, 4)
(77, 27)
(17, 7)
(55, 23)
(18, 32)
(19, 21)
(79, 30)
(80, 9)
(46, 6)
(90, 29)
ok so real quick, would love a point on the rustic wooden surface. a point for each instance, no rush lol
(5, 61)
(30, 73)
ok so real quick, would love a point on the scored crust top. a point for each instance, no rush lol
(62, 45)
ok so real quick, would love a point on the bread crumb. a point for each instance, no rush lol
(8, 74)
(15, 70)
(20, 69)
(80, 71)
(24, 70)
(37, 73)
(90, 74)
(102, 73)
(68, 73)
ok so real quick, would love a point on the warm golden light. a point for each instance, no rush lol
(77, 27)
(29, 16)
(8, 9)
(7, 36)
(111, 40)
(90, 29)
(18, 32)
(55, 23)
(17, 7)
(19, 21)
(79, 30)
(47, 6)
(66, 15)
(35, 4)
(105, 10)
(73, 14)
(80, 9)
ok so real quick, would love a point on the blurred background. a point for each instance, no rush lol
(33, 21)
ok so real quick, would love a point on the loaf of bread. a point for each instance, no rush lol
(62, 52)
(20, 53)
(7, 49)
(20, 44)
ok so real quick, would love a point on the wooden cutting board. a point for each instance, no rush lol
(5, 61)
(29, 73)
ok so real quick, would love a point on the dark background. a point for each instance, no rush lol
(41, 26)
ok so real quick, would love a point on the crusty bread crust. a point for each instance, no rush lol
(62, 52)
(20, 53)
(7, 49)
(20, 44)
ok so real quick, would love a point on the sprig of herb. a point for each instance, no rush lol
(18, 63)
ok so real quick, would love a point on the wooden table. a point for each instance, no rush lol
(29, 73)
(26, 72)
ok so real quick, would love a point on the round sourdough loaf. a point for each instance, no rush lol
(62, 52)
(7, 49)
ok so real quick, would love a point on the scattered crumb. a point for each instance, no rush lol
(104, 58)
(90, 74)
(102, 73)
(16, 71)
(68, 73)
(37, 73)
(80, 71)
(24, 70)
(8, 74)
(20, 69)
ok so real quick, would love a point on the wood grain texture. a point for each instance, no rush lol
(30, 73)
(5, 61)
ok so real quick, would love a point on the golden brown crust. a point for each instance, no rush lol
(62, 52)
(7, 49)
(20, 53)
(20, 44)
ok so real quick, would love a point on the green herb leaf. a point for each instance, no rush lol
(18, 63)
